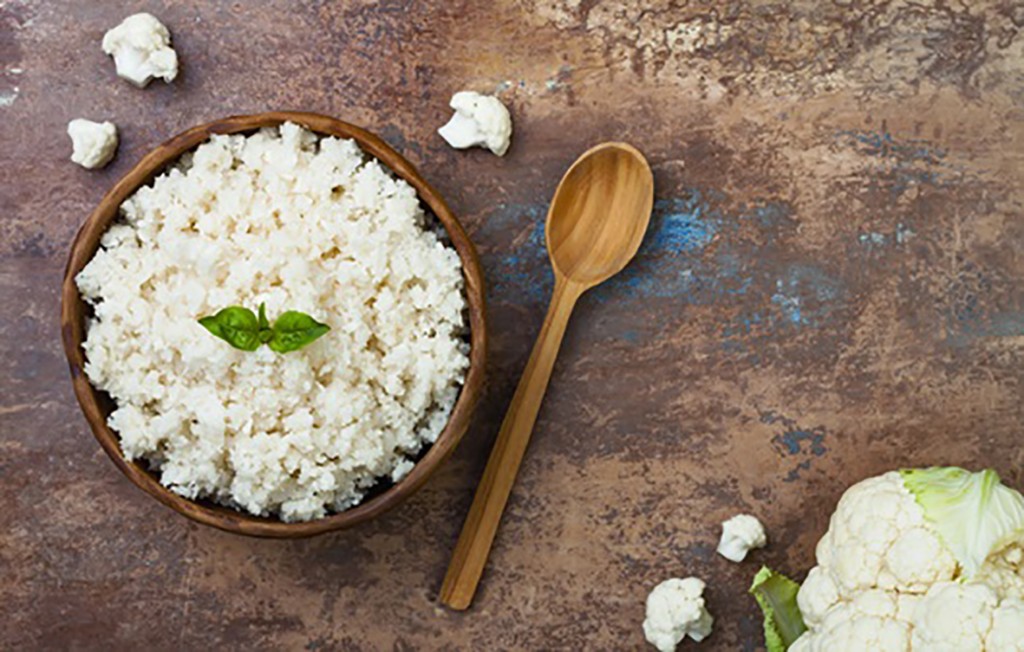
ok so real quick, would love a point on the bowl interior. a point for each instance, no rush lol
(97, 405)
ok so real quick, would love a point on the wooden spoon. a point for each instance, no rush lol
(594, 227)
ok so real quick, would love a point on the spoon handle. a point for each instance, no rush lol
(470, 555)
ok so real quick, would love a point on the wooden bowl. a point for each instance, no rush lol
(97, 405)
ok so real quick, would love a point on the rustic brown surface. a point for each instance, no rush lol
(830, 289)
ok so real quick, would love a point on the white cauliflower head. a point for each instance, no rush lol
(675, 609)
(479, 121)
(922, 560)
(141, 47)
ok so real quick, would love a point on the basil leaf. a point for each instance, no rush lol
(243, 329)
(236, 325)
(294, 330)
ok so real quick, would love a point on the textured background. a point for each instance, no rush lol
(829, 289)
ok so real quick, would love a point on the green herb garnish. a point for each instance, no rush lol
(244, 330)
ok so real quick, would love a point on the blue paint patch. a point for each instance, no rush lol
(771, 217)
(901, 163)
(873, 238)
(883, 145)
(805, 295)
(877, 241)
(971, 323)
(693, 254)
(630, 336)
(796, 441)
(794, 473)
(682, 225)
(669, 263)
(522, 275)
(792, 441)
(676, 259)
(1008, 324)
(789, 306)
(680, 229)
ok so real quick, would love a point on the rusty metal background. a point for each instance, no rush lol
(830, 288)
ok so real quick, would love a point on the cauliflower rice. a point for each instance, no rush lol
(301, 223)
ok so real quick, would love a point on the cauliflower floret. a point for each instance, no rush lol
(93, 143)
(802, 644)
(675, 608)
(906, 606)
(817, 595)
(950, 617)
(741, 534)
(1004, 572)
(479, 121)
(878, 538)
(954, 617)
(1007, 633)
(141, 47)
(865, 623)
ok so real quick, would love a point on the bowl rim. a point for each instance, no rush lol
(73, 313)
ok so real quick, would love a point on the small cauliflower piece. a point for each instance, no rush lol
(741, 534)
(675, 609)
(479, 121)
(92, 143)
(141, 47)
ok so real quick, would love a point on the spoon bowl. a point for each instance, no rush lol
(600, 213)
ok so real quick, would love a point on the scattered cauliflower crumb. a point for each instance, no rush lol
(141, 47)
(93, 143)
(479, 121)
(675, 609)
(741, 534)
